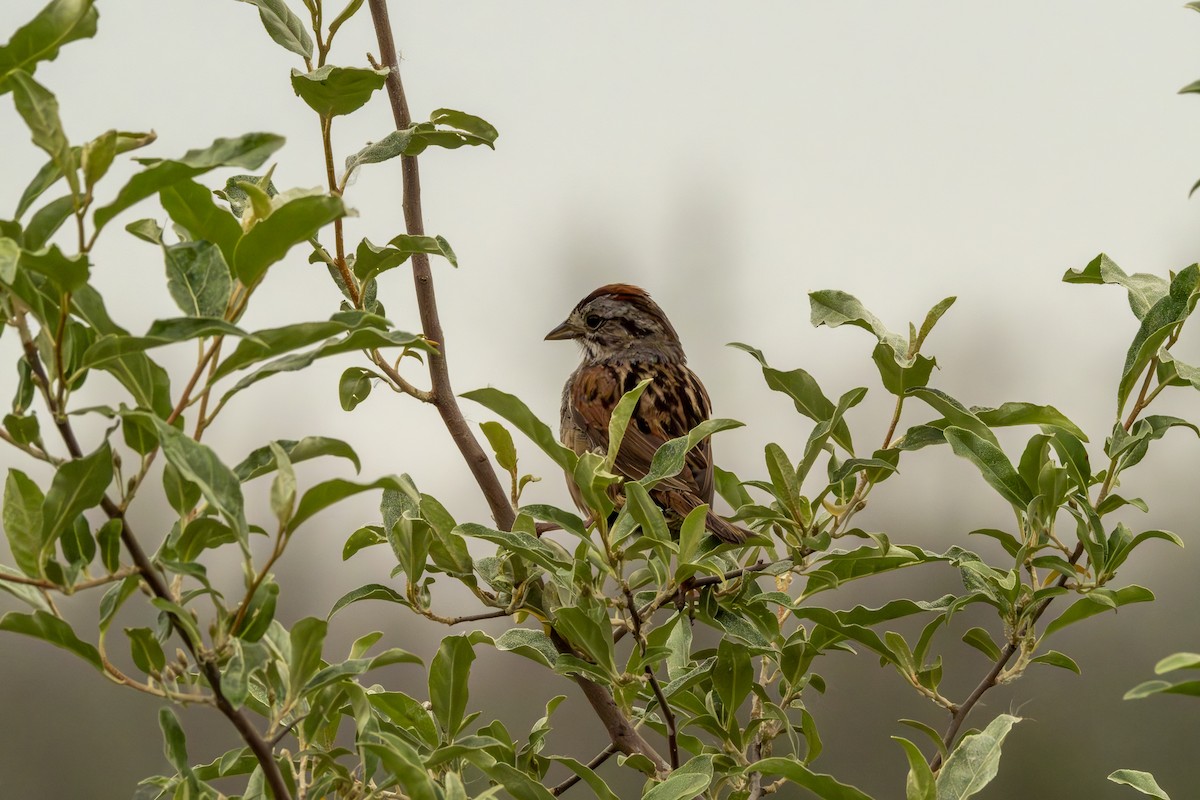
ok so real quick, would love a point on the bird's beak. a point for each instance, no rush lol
(563, 331)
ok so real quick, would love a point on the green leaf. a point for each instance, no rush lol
(199, 464)
(588, 775)
(690, 780)
(403, 762)
(248, 151)
(354, 386)
(669, 459)
(327, 493)
(181, 495)
(502, 445)
(900, 373)
(198, 278)
(47, 627)
(273, 342)
(295, 221)
(732, 676)
(346, 14)
(23, 522)
(919, 785)
(832, 308)
(307, 638)
(38, 107)
(395, 144)
(283, 488)
(174, 741)
(10, 256)
(191, 206)
(283, 26)
(331, 91)
(97, 157)
(1142, 781)
(371, 261)
(1157, 325)
(824, 786)
(1190, 688)
(995, 467)
(68, 273)
(1144, 289)
(46, 221)
(1177, 661)
(59, 22)
(467, 123)
(1028, 414)
(1088, 605)
(521, 543)
(534, 645)
(1057, 659)
(517, 413)
(260, 612)
(982, 641)
(360, 339)
(145, 380)
(974, 761)
(372, 591)
(262, 460)
(931, 319)
(30, 595)
(806, 395)
(448, 683)
(147, 653)
(77, 486)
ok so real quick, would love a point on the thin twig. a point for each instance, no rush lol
(338, 238)
(41, 583)
(396, 378)
(668, 714)
(600, 758)
(677, 592)
(29, 449)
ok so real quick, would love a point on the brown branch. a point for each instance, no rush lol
(620, 730)
(989, 680)
(338, 238)
(668, 714)
(212, 673)
(600, 758)
(441, 394)
(41, 583)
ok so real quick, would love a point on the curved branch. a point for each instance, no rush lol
(263, 751)
(440, 393)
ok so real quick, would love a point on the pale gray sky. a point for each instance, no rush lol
(729, 158)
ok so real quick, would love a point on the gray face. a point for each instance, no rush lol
(613, 325)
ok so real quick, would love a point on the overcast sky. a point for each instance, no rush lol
(729, 158)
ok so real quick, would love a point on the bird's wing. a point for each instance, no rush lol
(673, 404)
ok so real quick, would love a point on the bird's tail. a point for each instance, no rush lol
(725, 530)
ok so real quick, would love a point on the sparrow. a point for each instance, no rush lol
(626, 338)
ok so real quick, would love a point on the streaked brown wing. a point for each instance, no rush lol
(673, 404)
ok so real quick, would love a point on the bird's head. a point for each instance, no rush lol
(620, 319)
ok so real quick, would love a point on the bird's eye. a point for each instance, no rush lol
(594, 321)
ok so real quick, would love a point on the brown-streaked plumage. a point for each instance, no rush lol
(627, 338)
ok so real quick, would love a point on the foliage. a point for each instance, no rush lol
(616, 603)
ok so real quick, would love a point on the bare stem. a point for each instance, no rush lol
(668, 714)
(338, 237)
